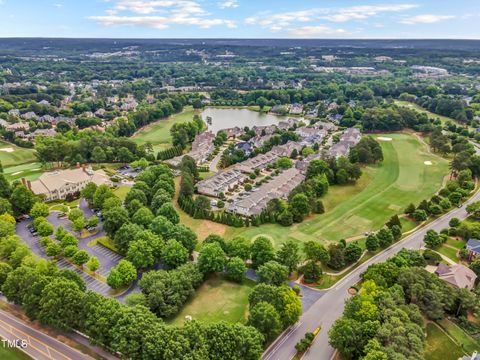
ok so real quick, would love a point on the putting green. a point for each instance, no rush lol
(12, 155)
(382, 191)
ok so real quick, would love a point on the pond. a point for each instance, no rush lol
(228, 118)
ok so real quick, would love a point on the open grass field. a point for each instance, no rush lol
(12, 155)
(122, 191)
(158, 133)
(30, 171)
(217, 300)
(461, 337)
(440, 346)
(449, 252)
(381, 192)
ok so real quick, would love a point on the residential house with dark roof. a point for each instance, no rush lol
(257, 200)
(286, 149)
(457, 275)
(296, 109)
(259, 141)
(473, 248)
(244, 146)
(221, 182)
(260, 161)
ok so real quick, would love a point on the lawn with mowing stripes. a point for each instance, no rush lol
(461, 337)
(382, 191)
(158, 133)
(12, 155)
(440, 346)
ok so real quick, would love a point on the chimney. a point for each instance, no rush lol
(24, 182)
(78, 165)
(29, 185)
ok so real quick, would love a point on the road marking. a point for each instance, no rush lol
(29, 340)
(284, 338)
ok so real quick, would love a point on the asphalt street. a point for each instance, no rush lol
(330, 306)
(36, 344)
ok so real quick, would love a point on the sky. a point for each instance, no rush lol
(241, 18)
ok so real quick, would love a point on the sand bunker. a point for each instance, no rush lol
(8, 150)
(428, 163)
(381, 138)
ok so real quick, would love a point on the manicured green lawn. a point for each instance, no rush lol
(408, 224)
(458, 244)
(440, 346)
(16, 157)
(461, 337)
(12, 354)
(449, 252)
(122, 191)
(158, 133)
(30, 171)
(217, 300)
(430, 115)
(381, 192)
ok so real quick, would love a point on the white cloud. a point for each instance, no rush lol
(426, 19)
(58, 5)
(366, 11)
(313, 31)
(228, 4)
(159, 14)
(161, 22)
(274, 21)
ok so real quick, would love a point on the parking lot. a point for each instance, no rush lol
(34, 243)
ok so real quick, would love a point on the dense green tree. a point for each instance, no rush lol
(235, 269)
(235, 342)
(372, 243)
(115, 218)
(140, 254)
(265, 318)
(185, 236)
(22, 200)
(289, 255)
(211, 258)
(122, 275)
(60, 304)
(385, 237)
(39, 209)
(311, 271)
(214, 238)
(81, 257)
(261, 251)
(174, 254)
(272, 273)
(316, 252)
(168, 211)
(353, 252)
(143, 217)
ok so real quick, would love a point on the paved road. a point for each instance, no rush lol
(38, 345)
(330, 306)
(476, 147)
(309, 296)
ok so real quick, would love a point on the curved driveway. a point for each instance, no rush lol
(330, 306)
